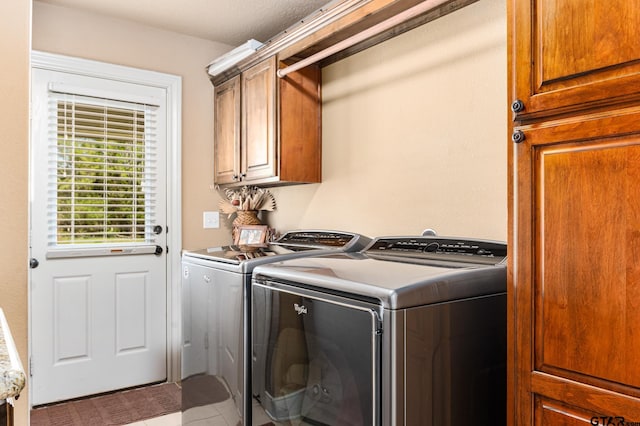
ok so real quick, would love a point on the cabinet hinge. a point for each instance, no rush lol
(30, 367)
(206, 340)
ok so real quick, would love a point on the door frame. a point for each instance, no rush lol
(172, 84)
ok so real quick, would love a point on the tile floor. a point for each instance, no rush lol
(173, 419)
(220, 414)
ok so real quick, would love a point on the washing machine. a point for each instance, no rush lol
(215, 299)
(410, 331)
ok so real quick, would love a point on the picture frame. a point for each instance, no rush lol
(250, 235)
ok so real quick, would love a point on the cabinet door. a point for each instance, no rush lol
(227, 132)
(571, 54)
(258, 121)
(576, 286)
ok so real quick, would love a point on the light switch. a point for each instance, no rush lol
(211, 220)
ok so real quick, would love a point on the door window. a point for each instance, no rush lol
(103, 152)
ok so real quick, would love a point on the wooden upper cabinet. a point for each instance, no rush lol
(572, 54)
(227, 132)
(275, 124)
(258, 121)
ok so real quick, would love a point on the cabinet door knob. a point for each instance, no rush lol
(235, 177)
(518, 136)
(517, 105)
(33, 263)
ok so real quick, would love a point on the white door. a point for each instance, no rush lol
(98, 233)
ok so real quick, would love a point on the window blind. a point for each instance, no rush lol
(101, 173)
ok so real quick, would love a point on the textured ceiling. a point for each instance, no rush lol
(226, 21)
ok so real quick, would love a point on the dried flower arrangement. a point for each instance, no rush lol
(247, 198)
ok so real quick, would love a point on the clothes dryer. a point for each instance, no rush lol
(411, 331)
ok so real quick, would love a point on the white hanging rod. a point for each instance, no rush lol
(401, 17)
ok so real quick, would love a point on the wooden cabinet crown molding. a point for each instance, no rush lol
(335, 23)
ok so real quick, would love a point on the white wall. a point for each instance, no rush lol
(414, 135)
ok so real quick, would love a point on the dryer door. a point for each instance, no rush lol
(315, 358)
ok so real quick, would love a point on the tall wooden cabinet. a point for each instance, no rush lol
(574, 212)
(267, 129)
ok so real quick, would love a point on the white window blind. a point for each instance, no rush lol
(101, 173)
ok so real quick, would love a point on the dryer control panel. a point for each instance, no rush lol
(461, 249)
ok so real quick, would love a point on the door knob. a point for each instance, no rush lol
(157, 229)
(33, 263)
